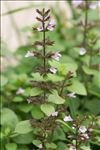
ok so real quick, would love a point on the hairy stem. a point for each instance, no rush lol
(63, 85)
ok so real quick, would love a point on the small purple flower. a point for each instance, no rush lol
(51, 25)
(85, 135)
(68, 118)
(40, 146)
(29, 54)
(53, 70)
(20, 91)
(56, 56)
(72, 147)
(82, 129)
(54, 114)
(40, 28)
(72, 95)
(76, 3)
(82, 51)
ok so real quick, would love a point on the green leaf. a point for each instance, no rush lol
(25, 107)
(54, 78)
(36, 112)
(88, 70)
(35, 91)
(8, 118)
(55, 98)
(92, 106)
(37, 77)
(51, 145)
(65, 124)
(77, 87)
(36, 142)
(11, 146)
(62, 146)
(59, 134)
(48, 109)
(23, 138)
(4, 80)
(64, 68)
(23, 127)
(17, 99)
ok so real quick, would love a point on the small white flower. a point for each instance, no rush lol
(77, 2)
(54, 114)
(39, 47)
(82, 51)
(40, 28)
(40, 146)
(29, 101)
(56, 56)
(68, 118)
(71, 95)
(20, 91)
(53, 70)
(51, 25)
(82, 129)
(72, 147)
(29, 54)
(85, 135)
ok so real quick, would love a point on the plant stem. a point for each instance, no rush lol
(63, 85)
(86, 22)
(44, 53)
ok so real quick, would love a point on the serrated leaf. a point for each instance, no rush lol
(23, 127)
(55, 98)
(51, 145)
(77, 87)
(48, 109)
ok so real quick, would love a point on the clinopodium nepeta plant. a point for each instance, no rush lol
(52, 93)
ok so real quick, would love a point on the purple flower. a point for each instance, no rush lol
(68, 118)
(82, 51)
(85, 135)
(20, 91)
(53, 70)
(82, 129)
(72, 147)
(54, 114)
(29, 54)
(51, 25)
(76, 3)
(71, 95)
(56, 56)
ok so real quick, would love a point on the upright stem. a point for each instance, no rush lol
(86, 22)
(44, 53)
(62, 88)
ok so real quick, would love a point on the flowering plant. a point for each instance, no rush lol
(50, 107)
